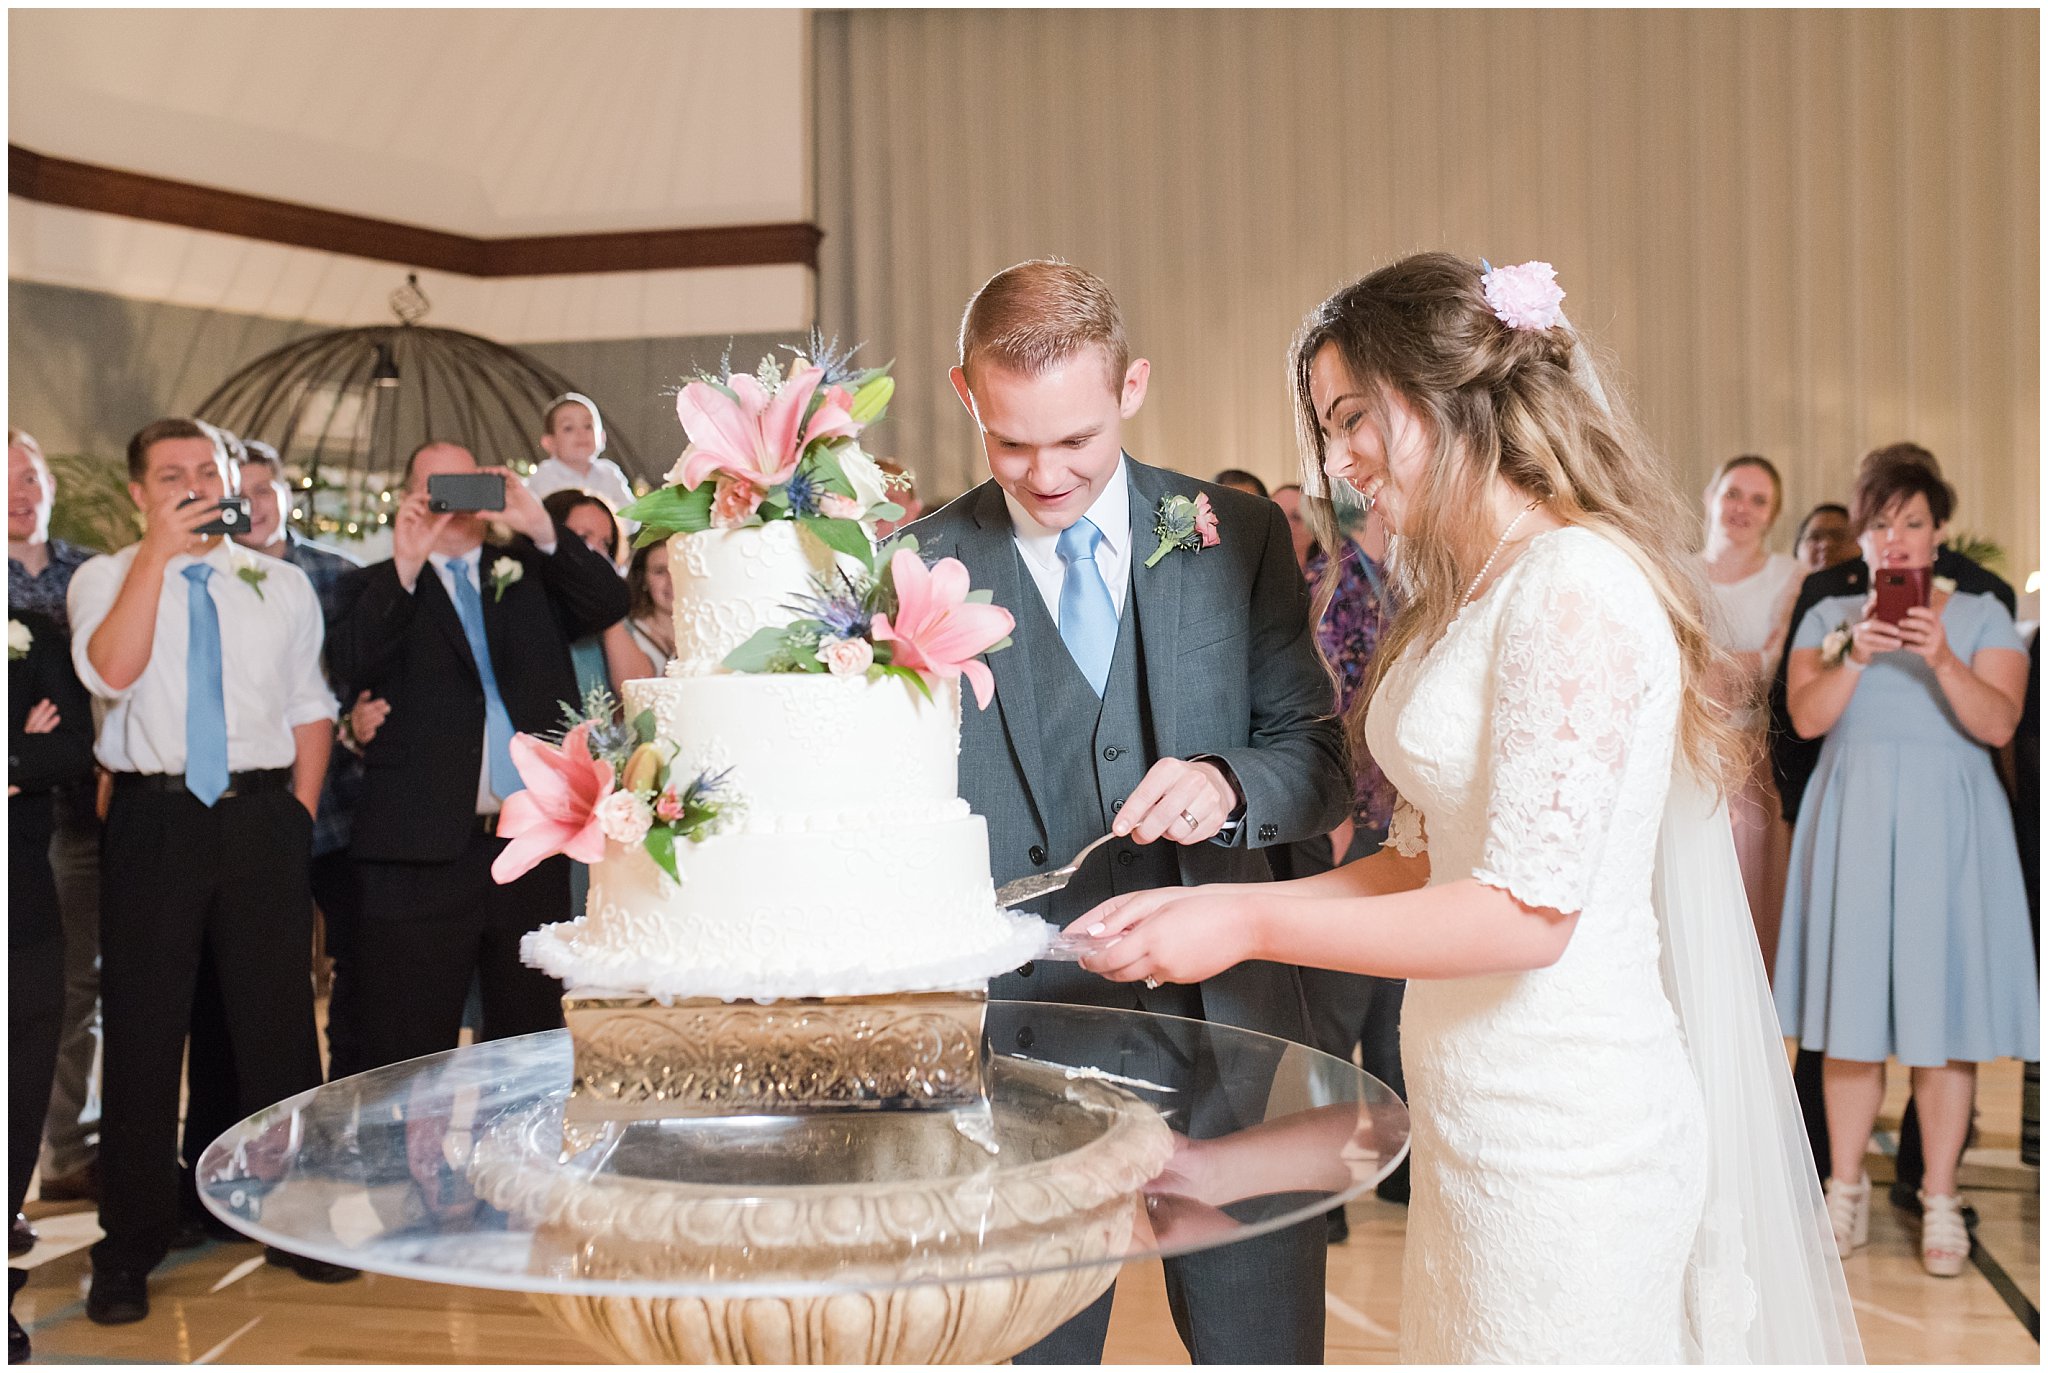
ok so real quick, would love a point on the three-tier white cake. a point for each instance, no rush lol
(849, 866)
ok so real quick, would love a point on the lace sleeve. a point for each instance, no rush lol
(1570, 678)
(1404, 834)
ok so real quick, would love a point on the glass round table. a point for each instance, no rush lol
(843, 1236)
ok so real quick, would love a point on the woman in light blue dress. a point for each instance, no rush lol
(1905, 931)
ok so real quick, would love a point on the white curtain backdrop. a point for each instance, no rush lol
(1801, 233)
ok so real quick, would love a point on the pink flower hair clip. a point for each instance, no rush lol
(1524, 297)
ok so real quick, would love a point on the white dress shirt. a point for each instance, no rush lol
(488, 802)
(270, 640)
(605, 478)
(1040, 546)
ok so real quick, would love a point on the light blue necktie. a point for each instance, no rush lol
(206, 708)
(1087, 615)
(497, 720)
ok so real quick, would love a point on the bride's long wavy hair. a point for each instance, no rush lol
(1526, 405)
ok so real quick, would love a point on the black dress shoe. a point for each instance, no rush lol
(21, 1237)
(17, 1338)
(190, 1234)
(117, 1297)
(312, 1270)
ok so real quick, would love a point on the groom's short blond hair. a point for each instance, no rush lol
(1039, 313)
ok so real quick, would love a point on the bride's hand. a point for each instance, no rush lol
(1174, 934)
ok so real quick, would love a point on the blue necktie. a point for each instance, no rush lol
(1087, 615)
(206, 709)
(497, 720)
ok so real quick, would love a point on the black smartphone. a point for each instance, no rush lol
(231, 517)
(465, 491)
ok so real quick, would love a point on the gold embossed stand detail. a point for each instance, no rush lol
(640, 1059)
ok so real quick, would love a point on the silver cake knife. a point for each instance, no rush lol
(1045, 883)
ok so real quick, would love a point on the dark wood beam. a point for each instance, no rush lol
(83, 186)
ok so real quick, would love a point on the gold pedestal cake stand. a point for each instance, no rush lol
(873, 1188)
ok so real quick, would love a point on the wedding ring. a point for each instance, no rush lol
(1187, 817)
(1153, 983)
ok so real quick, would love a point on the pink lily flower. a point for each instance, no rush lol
(557, 812)
(754, 434)
(937, 631)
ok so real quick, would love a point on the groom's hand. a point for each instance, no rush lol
(1184, 801)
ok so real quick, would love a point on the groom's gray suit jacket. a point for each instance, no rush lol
(1214, 658)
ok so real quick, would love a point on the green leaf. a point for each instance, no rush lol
(887, 510)
(670, 510)
(872, 400)
(776, 502)
(661, 846)
(843, 536)
(758, 652)
(893, 670)
(982, 596)
(825, 469)
(643, 726)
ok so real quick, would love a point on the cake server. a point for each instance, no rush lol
(1045, 883)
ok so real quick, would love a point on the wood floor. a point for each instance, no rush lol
(220, 1304)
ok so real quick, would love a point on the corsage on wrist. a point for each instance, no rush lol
(1836, 648)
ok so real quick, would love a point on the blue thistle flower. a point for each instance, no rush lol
(803, 495)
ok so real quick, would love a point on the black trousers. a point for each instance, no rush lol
(337, 891)
(1256, 1301)
(35, 1022)
(427, 929)
(182, 882)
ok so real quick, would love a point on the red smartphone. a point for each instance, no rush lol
(1899, 589)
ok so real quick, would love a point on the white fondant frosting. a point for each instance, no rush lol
(852, 866)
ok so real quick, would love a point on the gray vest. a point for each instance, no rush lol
(1095, 753)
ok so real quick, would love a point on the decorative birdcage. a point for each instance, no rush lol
(346, 407)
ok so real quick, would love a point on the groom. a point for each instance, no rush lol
(1180, 704)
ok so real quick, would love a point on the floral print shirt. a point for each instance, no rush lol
(1348, 636)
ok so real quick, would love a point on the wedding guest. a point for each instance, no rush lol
(468, 642)
(1237, 479)
(591, 520)
(49, 742)
(572, 434)
(1824, 539)
(1350, 1012)
(1792, 762)
(651, 626)
(1750, 610)
(1906, 930)
(217, 725)
(903, 491)
(1590, 1063)
(1303, 537)
(1180, 701)
(39, 570)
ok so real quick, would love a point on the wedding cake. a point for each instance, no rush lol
(781, 816)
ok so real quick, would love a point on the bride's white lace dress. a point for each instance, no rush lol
(1559, 1154)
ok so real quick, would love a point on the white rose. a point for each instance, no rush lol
(869, 485)
(18, 639)
(624, 818)
(506, 571)
(847, 657)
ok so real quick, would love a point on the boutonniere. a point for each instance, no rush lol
(504, 572)
(1835, 647)
(18, 641)
(252, 574)
(1183, 523)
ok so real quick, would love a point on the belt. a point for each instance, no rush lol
(239, 783)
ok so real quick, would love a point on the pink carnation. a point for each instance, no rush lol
(735, 502)
(669, 805)
(836, 507)
(1524, 297)
(1205, 522)
(847, 657)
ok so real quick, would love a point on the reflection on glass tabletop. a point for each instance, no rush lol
(1108, 1135)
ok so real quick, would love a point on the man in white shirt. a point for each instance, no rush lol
(216, 727)
(573, 437)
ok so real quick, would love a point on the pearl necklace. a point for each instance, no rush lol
(1487, 566)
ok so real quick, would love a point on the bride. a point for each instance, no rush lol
(1608, 1164)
